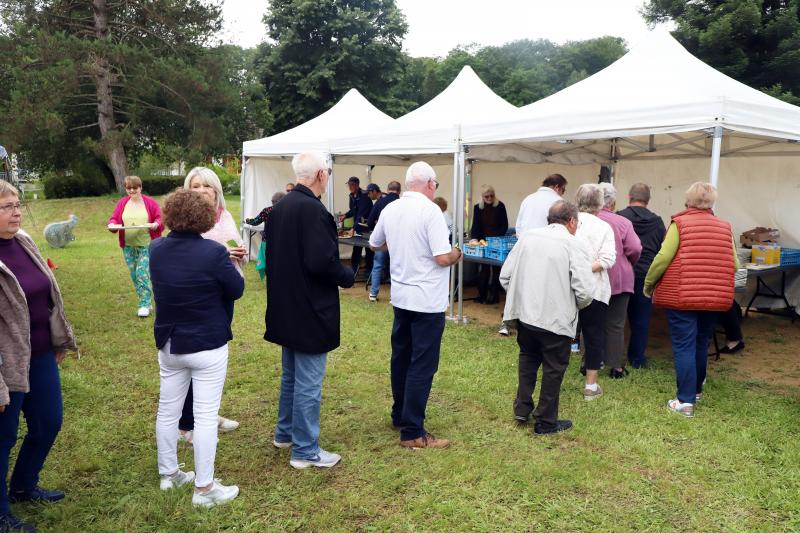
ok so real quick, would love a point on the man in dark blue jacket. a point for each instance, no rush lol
(360, 207)
(303, 276)
(380, 261)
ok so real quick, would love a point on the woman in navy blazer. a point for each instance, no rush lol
(195, 285)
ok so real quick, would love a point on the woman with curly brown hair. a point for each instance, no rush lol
(194, 309)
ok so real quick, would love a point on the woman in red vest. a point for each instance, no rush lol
(692, 277)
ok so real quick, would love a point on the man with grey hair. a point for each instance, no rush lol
(651, 232)
(415, 234)
(552, 264)
(303, 275)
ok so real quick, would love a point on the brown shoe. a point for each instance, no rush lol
(426, 441)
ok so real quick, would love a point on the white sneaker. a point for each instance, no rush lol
(218, 494)
(226, 424)
(143, 312)
(685, 409)
(322, 460)
(281, 445)
(503, 330)
(177, 479)
(373, 298)
(185, 437)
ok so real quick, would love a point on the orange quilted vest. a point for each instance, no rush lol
(700, 277)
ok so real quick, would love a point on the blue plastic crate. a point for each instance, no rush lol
(505, 242)
(790, 256)
(474, 251)
(498, 254)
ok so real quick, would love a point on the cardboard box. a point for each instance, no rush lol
(759, 235)
(766, 254)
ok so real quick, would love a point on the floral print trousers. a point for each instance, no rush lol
(138, 260)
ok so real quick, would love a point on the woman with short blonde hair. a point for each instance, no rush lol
(692, 277)
(598, 240)
(489, 219)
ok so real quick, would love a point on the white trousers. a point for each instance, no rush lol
(206, 371)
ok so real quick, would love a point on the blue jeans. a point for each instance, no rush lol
(690, 332)
(639, 311)
(300, 399)
(43, 410)
(378, 264)
(416, 341)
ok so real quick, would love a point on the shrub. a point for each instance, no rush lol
(62, 186)
(157, 185)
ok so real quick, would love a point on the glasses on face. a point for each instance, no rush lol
(487, 196)
(132, 188)
(436, 183)
(5, 208)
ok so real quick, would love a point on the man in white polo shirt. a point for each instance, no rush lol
(415, 233)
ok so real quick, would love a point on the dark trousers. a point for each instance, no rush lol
(615, 330)
(639, 310)
(538, 347)
(186, 423)
(690, 332)
(43, 411)
(489, 284)
(731, 321)
(416, 340)
(593, 327)
(355, 259)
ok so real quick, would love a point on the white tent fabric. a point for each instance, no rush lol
(266, 169)
(432, 128)
(658, 87)
(352, 115)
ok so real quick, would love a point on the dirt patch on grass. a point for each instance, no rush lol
(770, 355)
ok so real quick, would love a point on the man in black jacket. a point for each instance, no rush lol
(360, 207)
(303, 276)
(381, 260)
(650, 229)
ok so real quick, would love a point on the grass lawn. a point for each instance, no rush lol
(628, 465)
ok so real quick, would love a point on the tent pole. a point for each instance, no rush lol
(369, 173)
(462, 171)
(242, 189)
(453, 235)
(331, 178)
(716, 149)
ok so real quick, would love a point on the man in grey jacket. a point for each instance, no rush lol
(552, 264)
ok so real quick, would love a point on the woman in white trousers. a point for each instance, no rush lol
(194, 309)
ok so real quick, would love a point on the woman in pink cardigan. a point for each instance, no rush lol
(629, 248)
(205, 181)
(136, 209)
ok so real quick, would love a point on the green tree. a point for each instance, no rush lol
(112, 79)
(754, 41)
(323, 48)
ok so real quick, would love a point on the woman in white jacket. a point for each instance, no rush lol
(598, 239)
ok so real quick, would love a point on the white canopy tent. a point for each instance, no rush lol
(264, 170)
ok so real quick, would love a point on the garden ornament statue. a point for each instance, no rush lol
(58, 234)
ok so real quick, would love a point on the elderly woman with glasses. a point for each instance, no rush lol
(692, 277)
(489, 219)
(34, 335)
(144, 213)
(598, 240)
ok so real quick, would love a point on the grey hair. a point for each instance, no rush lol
(701, 195)
(6, 189)
(609, 194)
(277, 197)
(640, 192)
(207, 177)
(306, 165)
(562, 212)
(589, 198)
(419, 173)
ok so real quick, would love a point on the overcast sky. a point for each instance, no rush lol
(437, 26)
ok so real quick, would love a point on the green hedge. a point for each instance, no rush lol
(56, 186)
(157, 185)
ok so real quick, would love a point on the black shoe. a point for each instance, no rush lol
(561, 425)
(738, 348)
(36, 495)
(582, 370)
(521, 420)
(9, 522)
(617, 374)
(479, 300)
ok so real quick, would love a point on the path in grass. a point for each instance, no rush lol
(627, 465)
